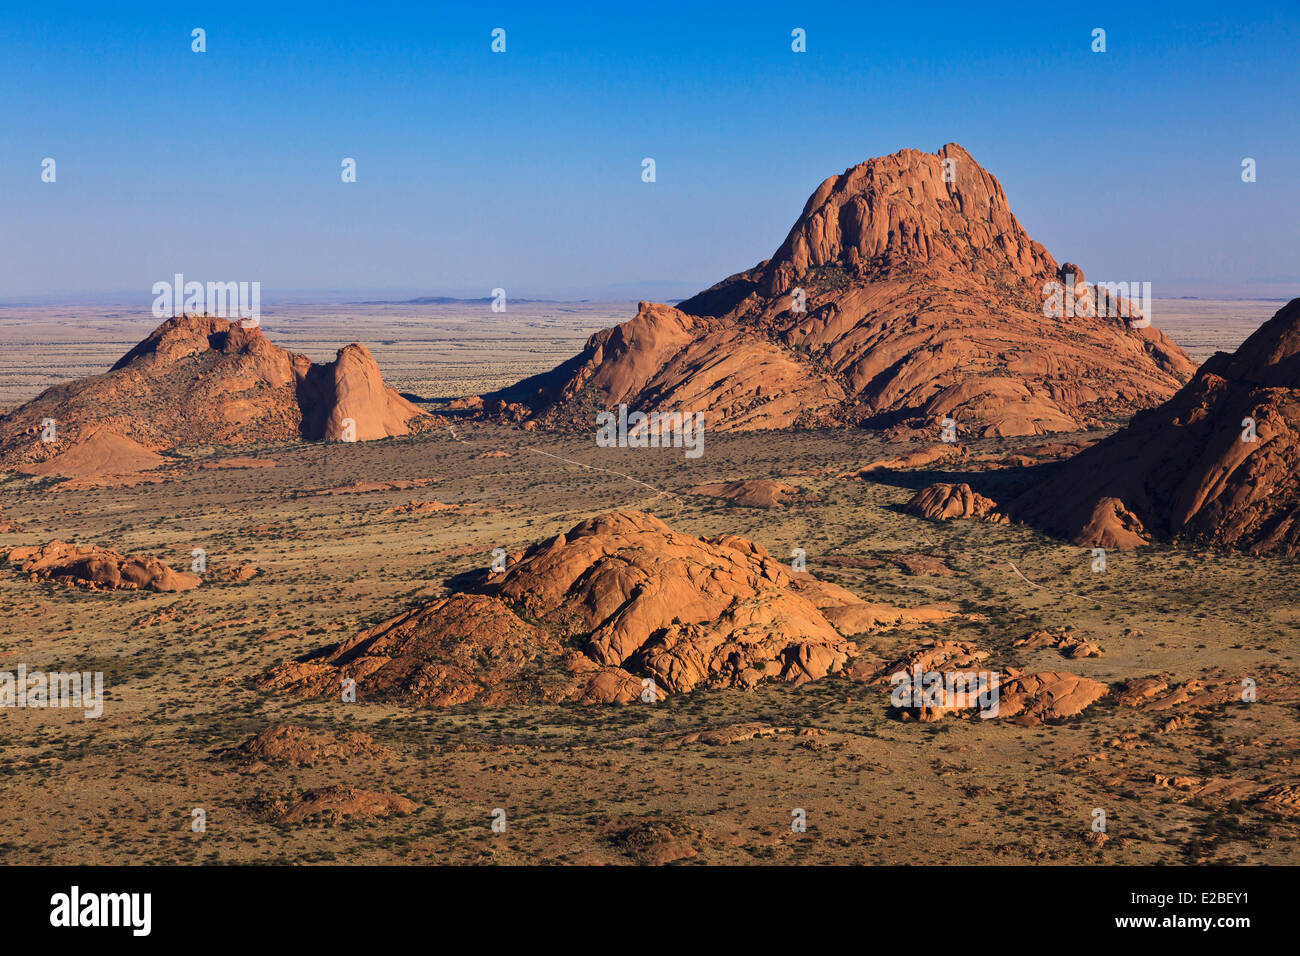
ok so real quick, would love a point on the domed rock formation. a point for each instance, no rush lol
(752, 493)
(1030, 699)
(942, 501)
(905, 293)
(1189, 467)
(683, 610)
(334, 804)
(99, 453)
(199, 379)
(353, 390)
(619, 606)
(1070, 642)
(301, 747)
(94, 567)
(451, 651)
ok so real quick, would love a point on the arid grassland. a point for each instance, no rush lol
(710, 776)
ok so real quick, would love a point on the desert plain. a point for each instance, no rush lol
(308, 542)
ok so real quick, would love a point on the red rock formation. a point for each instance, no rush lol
(1283, 800)
(356, 393)
(451, 651)
(334, 804)
(235, 573)
(1030, 699)
(199, 379)
(1183, 469)
(923, 299)
(916, 564)
(934, 656)
(100, 453)
(961, 672)
(682, 610)
(657, 840)
(942, 501)
(914, 459)
(641, 601)
(420, 508)
(733, 734)
(300, 747)
(1156, 694)
(753, 493)
(94, 567)
(1067, 640)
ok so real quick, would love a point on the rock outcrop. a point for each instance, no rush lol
(733, 734)
(1283, 800)
(96, 568)
(194, 380)
(933, 656)
(943, 501)
(753, 493)
(98, 453)
(1189, 467)
(657, 841)
(1067, 640)
(463, 648)
(933, 679)
(301, 747)
(619, 607)
(936, 678)
(905, 293)
(1195, 694)
(682, 610)
(1031, 699)
(332, 805)
(921, 458)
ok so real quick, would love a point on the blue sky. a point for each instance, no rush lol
(523, 169)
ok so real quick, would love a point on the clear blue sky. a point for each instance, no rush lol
(523, 169)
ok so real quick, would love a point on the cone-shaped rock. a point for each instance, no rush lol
(905, 293)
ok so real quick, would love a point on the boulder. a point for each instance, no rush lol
(301, 747)
(93, 567)
(943, 501)
(753, 493)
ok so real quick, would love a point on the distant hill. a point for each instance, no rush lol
(199, 379)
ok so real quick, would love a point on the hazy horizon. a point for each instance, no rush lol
(123, 299)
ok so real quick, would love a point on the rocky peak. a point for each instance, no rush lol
(907, 211)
